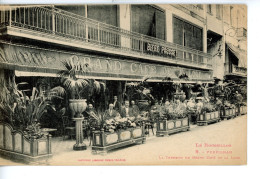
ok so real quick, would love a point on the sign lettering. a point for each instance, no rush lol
(47, 59)
(161, 50)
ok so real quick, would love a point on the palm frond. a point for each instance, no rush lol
(58, 90)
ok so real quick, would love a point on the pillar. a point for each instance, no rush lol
(79, 135)
(169, 26)
(125, 23)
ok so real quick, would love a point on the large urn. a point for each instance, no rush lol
(77, 106)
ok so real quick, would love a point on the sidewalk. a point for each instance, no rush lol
(63, 153)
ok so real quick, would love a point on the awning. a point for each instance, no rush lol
(34, 61)
(240, 54)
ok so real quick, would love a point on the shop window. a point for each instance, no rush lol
(187, 34)
(148, 20)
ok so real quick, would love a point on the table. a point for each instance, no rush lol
(46, 131)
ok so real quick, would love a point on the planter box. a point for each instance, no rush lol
(103, 141)
(243, 110)
(228, 113)
(14, 145)
(166, 127)
(207, 118)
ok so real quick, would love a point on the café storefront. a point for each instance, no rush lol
(31, 62)
(34, 61)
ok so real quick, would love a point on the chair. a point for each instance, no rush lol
(148, 126)
(68, 128)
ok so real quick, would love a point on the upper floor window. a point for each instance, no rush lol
(187, 34)
(232, 17)
(226, 13)
(219, 11)
(209, 8)
(148, 20)
(75, 9)
(200, 6)
(104, 13)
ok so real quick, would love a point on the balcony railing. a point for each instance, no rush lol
(68, 25)
(241, 32)
(239, 70)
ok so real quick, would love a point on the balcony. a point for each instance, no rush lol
(241, 32)
(56, 26)
(239, 70)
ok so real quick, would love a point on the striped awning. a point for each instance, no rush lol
(240, 54)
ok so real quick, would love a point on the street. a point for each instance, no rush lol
(218, 143)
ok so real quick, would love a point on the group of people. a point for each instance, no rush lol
(115, 109)
(130, 110)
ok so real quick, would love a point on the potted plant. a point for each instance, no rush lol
(24, 113)
(209, 114)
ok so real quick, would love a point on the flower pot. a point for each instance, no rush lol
(77, 106)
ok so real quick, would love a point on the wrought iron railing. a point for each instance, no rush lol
(47, 19)
(239, 70)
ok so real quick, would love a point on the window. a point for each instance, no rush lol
(219, 11)
(200, 6)
(187, 34)
(226, 13)
(104, 13)
(232, 16)
(148, 20)
(209, 8)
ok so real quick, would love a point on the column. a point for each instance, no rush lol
(125, 23)
(169, 26)
(79, 135)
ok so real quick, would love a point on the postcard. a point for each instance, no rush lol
(123, 84)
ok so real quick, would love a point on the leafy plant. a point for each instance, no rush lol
(208, 107)
(70, 77)
(138, 90)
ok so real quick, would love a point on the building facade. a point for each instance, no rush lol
(125, 42)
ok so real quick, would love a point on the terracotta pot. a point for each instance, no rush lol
(77, 106)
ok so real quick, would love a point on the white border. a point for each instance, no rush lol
(163, 172)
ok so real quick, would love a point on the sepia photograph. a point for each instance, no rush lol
(123, 84)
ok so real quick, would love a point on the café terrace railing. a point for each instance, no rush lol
(50, 20)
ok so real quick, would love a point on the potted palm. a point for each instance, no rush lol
(70, 79)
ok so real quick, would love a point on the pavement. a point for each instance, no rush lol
(222, 143)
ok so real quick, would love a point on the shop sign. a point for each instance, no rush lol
(161, 50)
(48, 59)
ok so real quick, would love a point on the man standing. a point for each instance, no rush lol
(116, 104)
